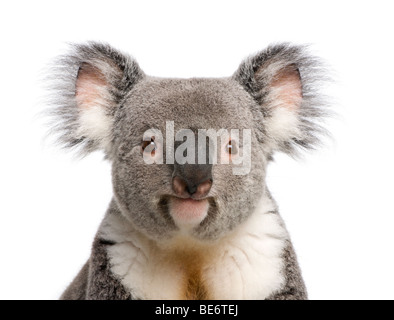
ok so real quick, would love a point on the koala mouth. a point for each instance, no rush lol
(187, 213)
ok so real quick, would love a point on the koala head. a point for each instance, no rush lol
(188, 155)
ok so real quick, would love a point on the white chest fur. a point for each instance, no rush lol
(246, 264)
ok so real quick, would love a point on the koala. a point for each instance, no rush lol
(182, 225)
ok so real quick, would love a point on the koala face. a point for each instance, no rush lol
(148, 192)
(106, 102)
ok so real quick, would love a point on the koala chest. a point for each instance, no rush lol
(245, 265)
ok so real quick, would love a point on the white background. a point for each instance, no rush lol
(337, 203)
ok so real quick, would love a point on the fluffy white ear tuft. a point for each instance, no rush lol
(283, 125)
(284, 102)
(93, 100)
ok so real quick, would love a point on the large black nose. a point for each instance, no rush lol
(192, 180)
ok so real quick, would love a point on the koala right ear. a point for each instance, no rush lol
(285, 82)
(89, 85)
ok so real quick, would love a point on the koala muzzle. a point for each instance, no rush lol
(192, 180)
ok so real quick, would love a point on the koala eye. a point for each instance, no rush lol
(149, 146)
(231, 147)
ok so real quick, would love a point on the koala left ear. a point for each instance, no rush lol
(88, 86)
(283, 81)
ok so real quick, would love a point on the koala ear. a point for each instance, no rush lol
(89, 85)
(284, 81)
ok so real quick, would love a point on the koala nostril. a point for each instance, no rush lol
(184, 189)
(179, 186)
(203, 188)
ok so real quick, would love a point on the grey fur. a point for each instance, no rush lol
(137, 102)
(294, 288)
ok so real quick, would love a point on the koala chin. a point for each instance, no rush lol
(191, 216)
